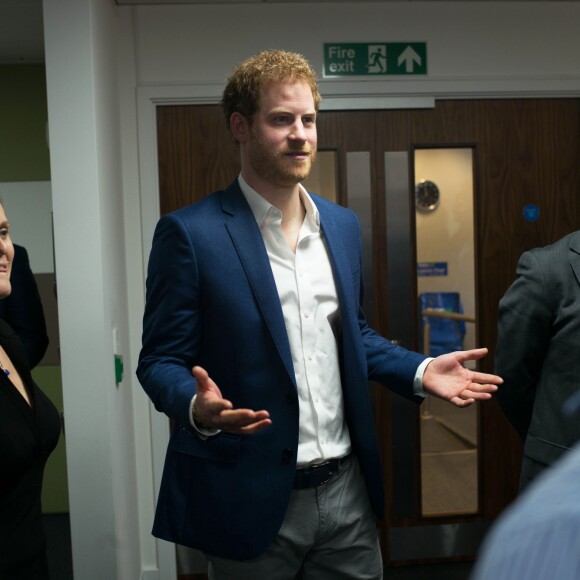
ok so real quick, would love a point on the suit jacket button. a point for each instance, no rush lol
(287, 453)
(291, 398)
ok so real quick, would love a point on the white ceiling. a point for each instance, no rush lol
(21, 30)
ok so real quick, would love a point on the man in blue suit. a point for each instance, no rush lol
(256, 346)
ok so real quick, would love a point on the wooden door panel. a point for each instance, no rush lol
(196, 152)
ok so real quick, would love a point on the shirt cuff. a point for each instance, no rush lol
(418, 380)
(203, 433)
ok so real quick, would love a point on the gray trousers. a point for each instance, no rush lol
(328, 533)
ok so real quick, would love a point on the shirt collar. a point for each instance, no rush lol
(260, 207)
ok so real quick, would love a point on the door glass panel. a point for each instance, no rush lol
(446, 287)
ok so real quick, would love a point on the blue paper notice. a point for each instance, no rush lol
(431, 268)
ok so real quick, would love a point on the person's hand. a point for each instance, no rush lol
(446, 378)
(212, 411)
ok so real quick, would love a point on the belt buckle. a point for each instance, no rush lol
(330, 474)
(313, 468)
(319, 474)
(319, 465)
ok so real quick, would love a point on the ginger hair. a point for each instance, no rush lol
(247, 81)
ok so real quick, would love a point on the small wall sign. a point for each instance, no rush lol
(531, 212)
(431, 268)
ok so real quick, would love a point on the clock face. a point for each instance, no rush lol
(426, 196)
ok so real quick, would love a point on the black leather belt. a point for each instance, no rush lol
(315, 475)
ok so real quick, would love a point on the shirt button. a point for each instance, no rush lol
(307, 315)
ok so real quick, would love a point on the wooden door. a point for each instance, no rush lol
(525, 151)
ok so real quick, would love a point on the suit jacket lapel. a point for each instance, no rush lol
(247, 239)
(339, 262)
(353, 358)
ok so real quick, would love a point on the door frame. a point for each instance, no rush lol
(148, 99)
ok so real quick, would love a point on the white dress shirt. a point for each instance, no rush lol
(312, 316)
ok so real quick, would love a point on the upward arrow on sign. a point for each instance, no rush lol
(409, 57)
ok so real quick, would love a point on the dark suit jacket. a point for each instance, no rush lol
(538, 351)
(22, 309)
(212, 301)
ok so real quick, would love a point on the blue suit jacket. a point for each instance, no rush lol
(212, 301)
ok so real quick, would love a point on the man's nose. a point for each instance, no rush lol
(298, 131)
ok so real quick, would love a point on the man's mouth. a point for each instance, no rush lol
(305, 153)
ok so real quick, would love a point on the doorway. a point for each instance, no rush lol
(523, 151)
(444, 196)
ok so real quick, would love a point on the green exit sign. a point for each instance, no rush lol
(375, 58)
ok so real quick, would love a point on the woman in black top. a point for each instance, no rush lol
(29, 431)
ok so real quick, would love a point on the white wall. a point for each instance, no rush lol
(104, 184)
(28, 206)
(81, 54)
(472, 47)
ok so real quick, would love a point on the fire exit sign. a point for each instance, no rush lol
(375, 59)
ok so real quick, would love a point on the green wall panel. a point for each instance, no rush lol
(55, 487)
(24, 152)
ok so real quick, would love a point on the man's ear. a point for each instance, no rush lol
(239, 127)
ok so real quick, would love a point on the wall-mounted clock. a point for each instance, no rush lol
(426, 196)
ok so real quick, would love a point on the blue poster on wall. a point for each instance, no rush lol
(431, 268)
